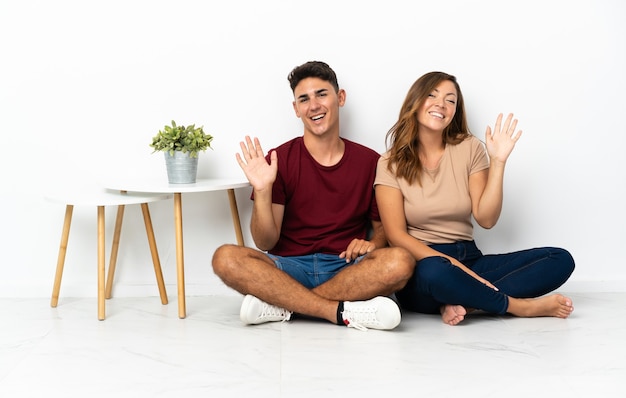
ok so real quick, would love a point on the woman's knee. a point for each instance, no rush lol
(431, 269)
(564, 258)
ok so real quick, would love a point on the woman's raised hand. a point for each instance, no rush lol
(501, 141)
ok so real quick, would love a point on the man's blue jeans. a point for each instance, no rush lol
(521, 274)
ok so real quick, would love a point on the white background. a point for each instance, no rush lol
(85, 85)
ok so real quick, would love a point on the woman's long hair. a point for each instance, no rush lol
(402, 139)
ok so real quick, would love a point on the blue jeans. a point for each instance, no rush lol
(312, 270)
(521, 274)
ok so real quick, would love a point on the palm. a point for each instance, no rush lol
(259, 173)
(501, 142)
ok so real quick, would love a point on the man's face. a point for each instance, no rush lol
(317, 104)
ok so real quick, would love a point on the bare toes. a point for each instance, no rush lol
(453, 314)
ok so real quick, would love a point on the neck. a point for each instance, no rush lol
(431, 149)
(431, 142)
(326, 150)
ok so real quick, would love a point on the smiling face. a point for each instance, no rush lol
(439, 107)
(317, 104)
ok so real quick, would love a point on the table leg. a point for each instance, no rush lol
(114, 251)
(61, 259)
(234, 212)
(155, 253)
(180, 258)
(101, 292)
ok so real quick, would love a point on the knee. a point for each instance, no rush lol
(564, 259)
(432, 269)
(400, 263)
(405, 261)
(224, 258)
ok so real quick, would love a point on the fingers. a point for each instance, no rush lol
(507, 122)
(273, 158)
(507, 128)
(257, 146)
(357, 248)
(509, 125)
(497, 126)
(244, 151)
(250, 149)
(239, 160)
(490, 285)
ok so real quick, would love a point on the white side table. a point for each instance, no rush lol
(101, 198)
(161, 185)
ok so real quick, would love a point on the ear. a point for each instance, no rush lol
(341, 96)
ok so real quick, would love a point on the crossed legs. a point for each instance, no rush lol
(249, 271)
(524, 279)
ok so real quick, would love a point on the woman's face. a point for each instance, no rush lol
(438, 109)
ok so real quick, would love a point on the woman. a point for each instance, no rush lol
(434, 177)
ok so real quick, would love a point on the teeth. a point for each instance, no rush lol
(318, 117)
(437, 114)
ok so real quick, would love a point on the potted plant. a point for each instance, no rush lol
(181, 145)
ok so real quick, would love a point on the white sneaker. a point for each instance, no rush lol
(254, 311)
(378, 313)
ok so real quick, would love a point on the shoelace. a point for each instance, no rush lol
(356, 318)
(272, 311)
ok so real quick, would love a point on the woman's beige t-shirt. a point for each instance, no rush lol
(440, 210)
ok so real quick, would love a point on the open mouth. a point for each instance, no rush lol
(436, 114)
(318, 117)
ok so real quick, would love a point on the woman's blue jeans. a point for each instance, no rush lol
(521, 274)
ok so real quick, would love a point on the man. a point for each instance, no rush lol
(313, 204)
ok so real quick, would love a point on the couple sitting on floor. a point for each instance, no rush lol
(316, 196)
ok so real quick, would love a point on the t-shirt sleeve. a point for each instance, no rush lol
(383, 175)
(479, 160)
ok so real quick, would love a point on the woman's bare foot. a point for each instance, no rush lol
(453, 314)
(555, 305)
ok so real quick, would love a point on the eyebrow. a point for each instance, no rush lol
(320, 91)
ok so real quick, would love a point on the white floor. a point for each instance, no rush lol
(143, 349)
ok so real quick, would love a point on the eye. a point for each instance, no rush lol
(453, 102)
(431, 95)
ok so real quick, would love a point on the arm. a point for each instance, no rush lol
(266, 221)
(486, 186)
(266, 217)
(391, 208)
(378, 238)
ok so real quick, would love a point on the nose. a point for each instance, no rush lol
(314, 103)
